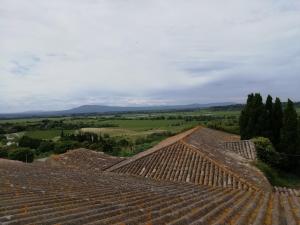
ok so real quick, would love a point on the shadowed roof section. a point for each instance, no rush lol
(85, 159)
(196, 156)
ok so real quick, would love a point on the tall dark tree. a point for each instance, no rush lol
(268, 131)
(256, 125)
(289, 137)
(244, 118)
(253, 116)
(277, 117)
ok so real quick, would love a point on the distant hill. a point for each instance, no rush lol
(103, 109)
(112, 109)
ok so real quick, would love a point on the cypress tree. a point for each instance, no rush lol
(253, 116)
(289, 137)
(277, 117)
(256, 124)
(268, 122)
(250, 99)
(244, 118)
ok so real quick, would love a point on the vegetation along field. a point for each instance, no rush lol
(121, 134)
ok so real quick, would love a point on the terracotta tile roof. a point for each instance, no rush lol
(182, 163)
(185, 181)
(198, 157)
(37, 194)
(244, 148)
(85, 159)
(211, 143)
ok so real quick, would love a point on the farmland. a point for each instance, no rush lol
(135, 132)
(124, 134)
(46, 134)
(125, 123)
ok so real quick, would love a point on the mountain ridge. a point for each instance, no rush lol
(105, 109)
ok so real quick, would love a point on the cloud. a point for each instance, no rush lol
(62, 53)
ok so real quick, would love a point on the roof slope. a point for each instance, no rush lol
(164, 143)
(197, 156)
(85, 159)
(43, 194)
(182, 163)
(211, 143)
(244, 148)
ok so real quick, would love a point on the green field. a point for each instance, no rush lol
(46, 134)
(126, 134)
(29, 120)
(121, 127)
(136, 128)
(131, 125)
(171, 121)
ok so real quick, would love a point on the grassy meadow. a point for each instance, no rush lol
(140, 130)
(46, 134)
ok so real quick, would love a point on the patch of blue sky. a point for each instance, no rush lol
(24, 65)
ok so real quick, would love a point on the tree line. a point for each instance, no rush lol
(28, 148)
(277, 123)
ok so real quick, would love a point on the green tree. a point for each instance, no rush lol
(46, 146)
(252, 120)
(29, 142)
(266, 152)
(244, 118)
(259, 116)
(22, 154)
(63, 146)
(289, 137)
(277, 117)
(268, 121)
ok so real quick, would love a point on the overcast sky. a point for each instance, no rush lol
(57, 54)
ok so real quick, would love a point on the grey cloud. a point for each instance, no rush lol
(202, 67)
(62, 53)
